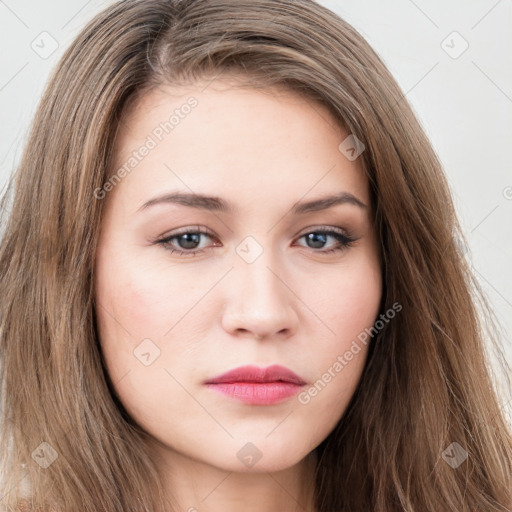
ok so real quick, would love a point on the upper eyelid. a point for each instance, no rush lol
(197, 229)
(310, 229)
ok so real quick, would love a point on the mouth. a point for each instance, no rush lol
(257, 386)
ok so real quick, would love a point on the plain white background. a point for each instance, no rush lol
(452, 60)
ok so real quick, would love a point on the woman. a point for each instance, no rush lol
(230, 278)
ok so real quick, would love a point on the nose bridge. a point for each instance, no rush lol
(262, 287)
(259, 301)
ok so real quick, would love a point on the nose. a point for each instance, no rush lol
(260, 303)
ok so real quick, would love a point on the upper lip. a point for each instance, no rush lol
(274, 373)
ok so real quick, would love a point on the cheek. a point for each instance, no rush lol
(348, 300)
(132, 320)
(127, 303)
(349, 309)
(137, 305)
(137, 300)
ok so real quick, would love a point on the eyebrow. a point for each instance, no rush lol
(217, 204)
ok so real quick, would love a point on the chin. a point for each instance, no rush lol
(260, 457)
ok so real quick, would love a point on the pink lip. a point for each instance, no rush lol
(257, 386)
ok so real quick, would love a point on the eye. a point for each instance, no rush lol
(318, 239)
(187, 241)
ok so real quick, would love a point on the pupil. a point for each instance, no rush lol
(189, 238)
(317, 238)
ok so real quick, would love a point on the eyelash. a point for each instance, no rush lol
(344, 241)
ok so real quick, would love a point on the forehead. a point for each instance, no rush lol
(226, 140)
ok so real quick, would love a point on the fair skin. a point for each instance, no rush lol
(293, 305)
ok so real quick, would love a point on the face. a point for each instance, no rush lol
(215, 254)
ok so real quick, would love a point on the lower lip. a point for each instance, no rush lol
(257, 393)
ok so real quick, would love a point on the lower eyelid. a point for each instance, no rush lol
(343, 242)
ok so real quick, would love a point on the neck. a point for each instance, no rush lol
(199, 487)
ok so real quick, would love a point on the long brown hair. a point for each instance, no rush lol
(427, 381)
